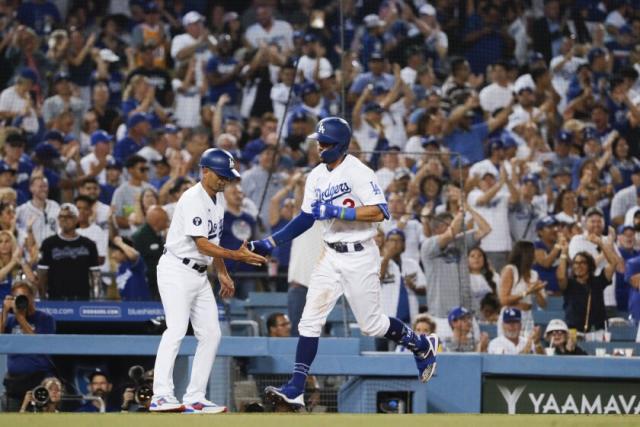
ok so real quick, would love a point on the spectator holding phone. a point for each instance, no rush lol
(24, 371)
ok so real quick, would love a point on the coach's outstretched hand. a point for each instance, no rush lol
(246, 256)
(263, 247)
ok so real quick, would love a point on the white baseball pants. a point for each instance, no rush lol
(186, 294)
(357, 275)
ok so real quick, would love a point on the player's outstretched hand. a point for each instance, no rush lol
(227, 288)
(322, 211)
(246, 256)
(262, 247)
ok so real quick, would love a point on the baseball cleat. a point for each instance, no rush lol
(425, 356)
(204, 407)
(165, 404)
(287, 394)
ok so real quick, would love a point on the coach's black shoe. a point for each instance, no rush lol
(287, 393)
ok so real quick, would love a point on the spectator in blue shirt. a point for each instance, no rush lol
(41, 15)
(625, 244)
(238, 226)
(24, 371)
(138, 127)
(15, 157)
(131, 274)
(222, 72)
(114, 172)
(466, 138)
(140, 97)
(547, 252)
(371, 41)
(485, 38)
(375, 77)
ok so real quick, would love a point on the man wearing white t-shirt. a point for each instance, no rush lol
(313, 53)
(268, 30)
(594, 226)
(563, 67)
(511, 342)
(95, 163)
(499, 93)
(194, 42)
(493, 205)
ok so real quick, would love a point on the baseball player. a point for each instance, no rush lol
(344, 194)
(192, 243)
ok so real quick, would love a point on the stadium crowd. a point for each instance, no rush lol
(503, 132)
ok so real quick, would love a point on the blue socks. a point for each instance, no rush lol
(400, 333)
(305, 353)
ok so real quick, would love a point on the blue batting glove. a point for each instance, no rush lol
(262, 247)
(321, 211)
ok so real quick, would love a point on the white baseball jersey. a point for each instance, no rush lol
(351, 184)
(196, 214)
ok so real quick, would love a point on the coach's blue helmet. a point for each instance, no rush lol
(334, 131)
(221, 162)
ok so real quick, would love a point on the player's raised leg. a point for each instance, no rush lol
(176, 301)
(360, 271)
(206, 328)
(323, 293)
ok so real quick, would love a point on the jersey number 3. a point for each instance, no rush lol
(349, 203)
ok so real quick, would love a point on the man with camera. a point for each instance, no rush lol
(138, 393)
(24, 371)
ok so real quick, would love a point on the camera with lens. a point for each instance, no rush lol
(22, 303)
(40, 395)
(143, 391)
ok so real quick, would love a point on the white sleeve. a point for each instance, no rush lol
(367, 188)
(5, 105)
(309, 193)
(495, 347)
(177, 44)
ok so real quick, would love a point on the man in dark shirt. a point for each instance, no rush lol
(149, 242)
(158, 77)
(69, 267)
(99, 386)
(24, 371)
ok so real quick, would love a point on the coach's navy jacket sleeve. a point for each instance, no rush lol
(294, 228)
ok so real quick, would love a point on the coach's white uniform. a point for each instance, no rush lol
(187, 294)
(354, 273)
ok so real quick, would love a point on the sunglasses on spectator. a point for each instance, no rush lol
(580, 261)
(144, 169)
(66, 217)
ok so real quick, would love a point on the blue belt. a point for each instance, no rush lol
(342, 247)
(200, 268)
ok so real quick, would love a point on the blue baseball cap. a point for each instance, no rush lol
(460, 162)
(136, 119)
(429, 140)
(114, 164)
(536, 56)
(170, 128)
(589, 132)
(53, 135)
(631, 268)
(508, 141)
(511, 315)
(100, 136)
(45, 150)
(309, 87)
(622, 228)
(594, 53)
(28, 73)
(299, 116)
(69, 137)
(60, 76)
(4, 167)
(396, 232)
(373, 107)
(530, 178)
(547, 221)
(457, 313)
(564, 137)
(376, 56)
(310, 38)
(494, 144)
(380, 89)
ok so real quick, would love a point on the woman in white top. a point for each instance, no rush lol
(519, 282)
(483, 278)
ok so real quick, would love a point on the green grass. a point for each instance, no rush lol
(304, 420)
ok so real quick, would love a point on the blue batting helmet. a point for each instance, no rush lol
(221, 162)
(334, 131)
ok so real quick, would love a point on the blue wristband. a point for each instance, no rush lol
(348, 214)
